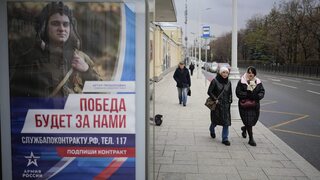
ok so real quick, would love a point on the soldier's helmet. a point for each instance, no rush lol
(41, 23)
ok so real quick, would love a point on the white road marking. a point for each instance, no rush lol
(285, 85)
(291, 80)
(314, 84)
(277, 80)
(270, 76)
(307, 80)
(313, 92)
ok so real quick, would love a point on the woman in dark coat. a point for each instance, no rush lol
(221, 115)
(249, 87)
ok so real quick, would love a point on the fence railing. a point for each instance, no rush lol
(292, 70)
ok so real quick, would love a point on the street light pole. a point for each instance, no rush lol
(195, 48)
(199, 35)
(205, 43)
(234, 73)
(186, 33)
(200, 39)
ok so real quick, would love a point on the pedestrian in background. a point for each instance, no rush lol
(221, 91)
(182, 78)
(249, 87)
(191, 67)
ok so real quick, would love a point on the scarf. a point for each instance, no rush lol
(251, 85)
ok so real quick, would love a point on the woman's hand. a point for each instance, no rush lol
(249, 94)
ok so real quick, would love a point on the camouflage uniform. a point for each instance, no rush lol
(39, 72)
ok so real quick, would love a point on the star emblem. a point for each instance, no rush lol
(32, 159)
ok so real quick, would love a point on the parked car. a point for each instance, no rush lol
(206, 66)
(213, 67)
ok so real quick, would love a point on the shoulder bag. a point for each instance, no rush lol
(210, 103)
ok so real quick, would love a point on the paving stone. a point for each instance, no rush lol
(181, 141)
(179, 168)
(253, 175)
(233, 177)
(202, 148)
(288, 164)
(190, 156)
(241, 155)
(206, 177)
(237, 147)
(233, 162)
(208, 155)
(269, 156)
(302, 178)
(173, 148)
(210, 161)
(168, 153)
(217, 169)
(283, 172)
(163, 160)
(281, 178)
(187, 162)
(307, 168)
(171, 176)
(260, 150)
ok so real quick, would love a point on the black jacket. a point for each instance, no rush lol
(191, 67)
(249, 116)
(182, 77)
(221, 115)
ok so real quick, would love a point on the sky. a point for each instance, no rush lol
(218, 14)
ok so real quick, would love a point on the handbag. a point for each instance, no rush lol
(247, 103)
(189, 92)
(211, 104)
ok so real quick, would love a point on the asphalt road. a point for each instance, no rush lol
(290, 110)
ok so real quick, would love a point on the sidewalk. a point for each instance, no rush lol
(184, 149)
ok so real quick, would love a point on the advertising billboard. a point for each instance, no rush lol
(72, 83)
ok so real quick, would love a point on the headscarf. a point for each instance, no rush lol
(251, 85)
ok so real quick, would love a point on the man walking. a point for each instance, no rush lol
(182, 77)
(191, 67)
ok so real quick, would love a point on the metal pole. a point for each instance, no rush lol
(205, 43)
(186, 32)
(194, 48)
(199, 35)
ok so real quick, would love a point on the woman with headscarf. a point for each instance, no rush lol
(250, 88)
(220, 91)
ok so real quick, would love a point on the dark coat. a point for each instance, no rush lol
(249, 117)
(191, 67)
(182, 77)
(221, 115)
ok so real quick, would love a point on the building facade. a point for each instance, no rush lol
(166, 49)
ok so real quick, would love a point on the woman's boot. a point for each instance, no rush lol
(244, 132)
(251, 140)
